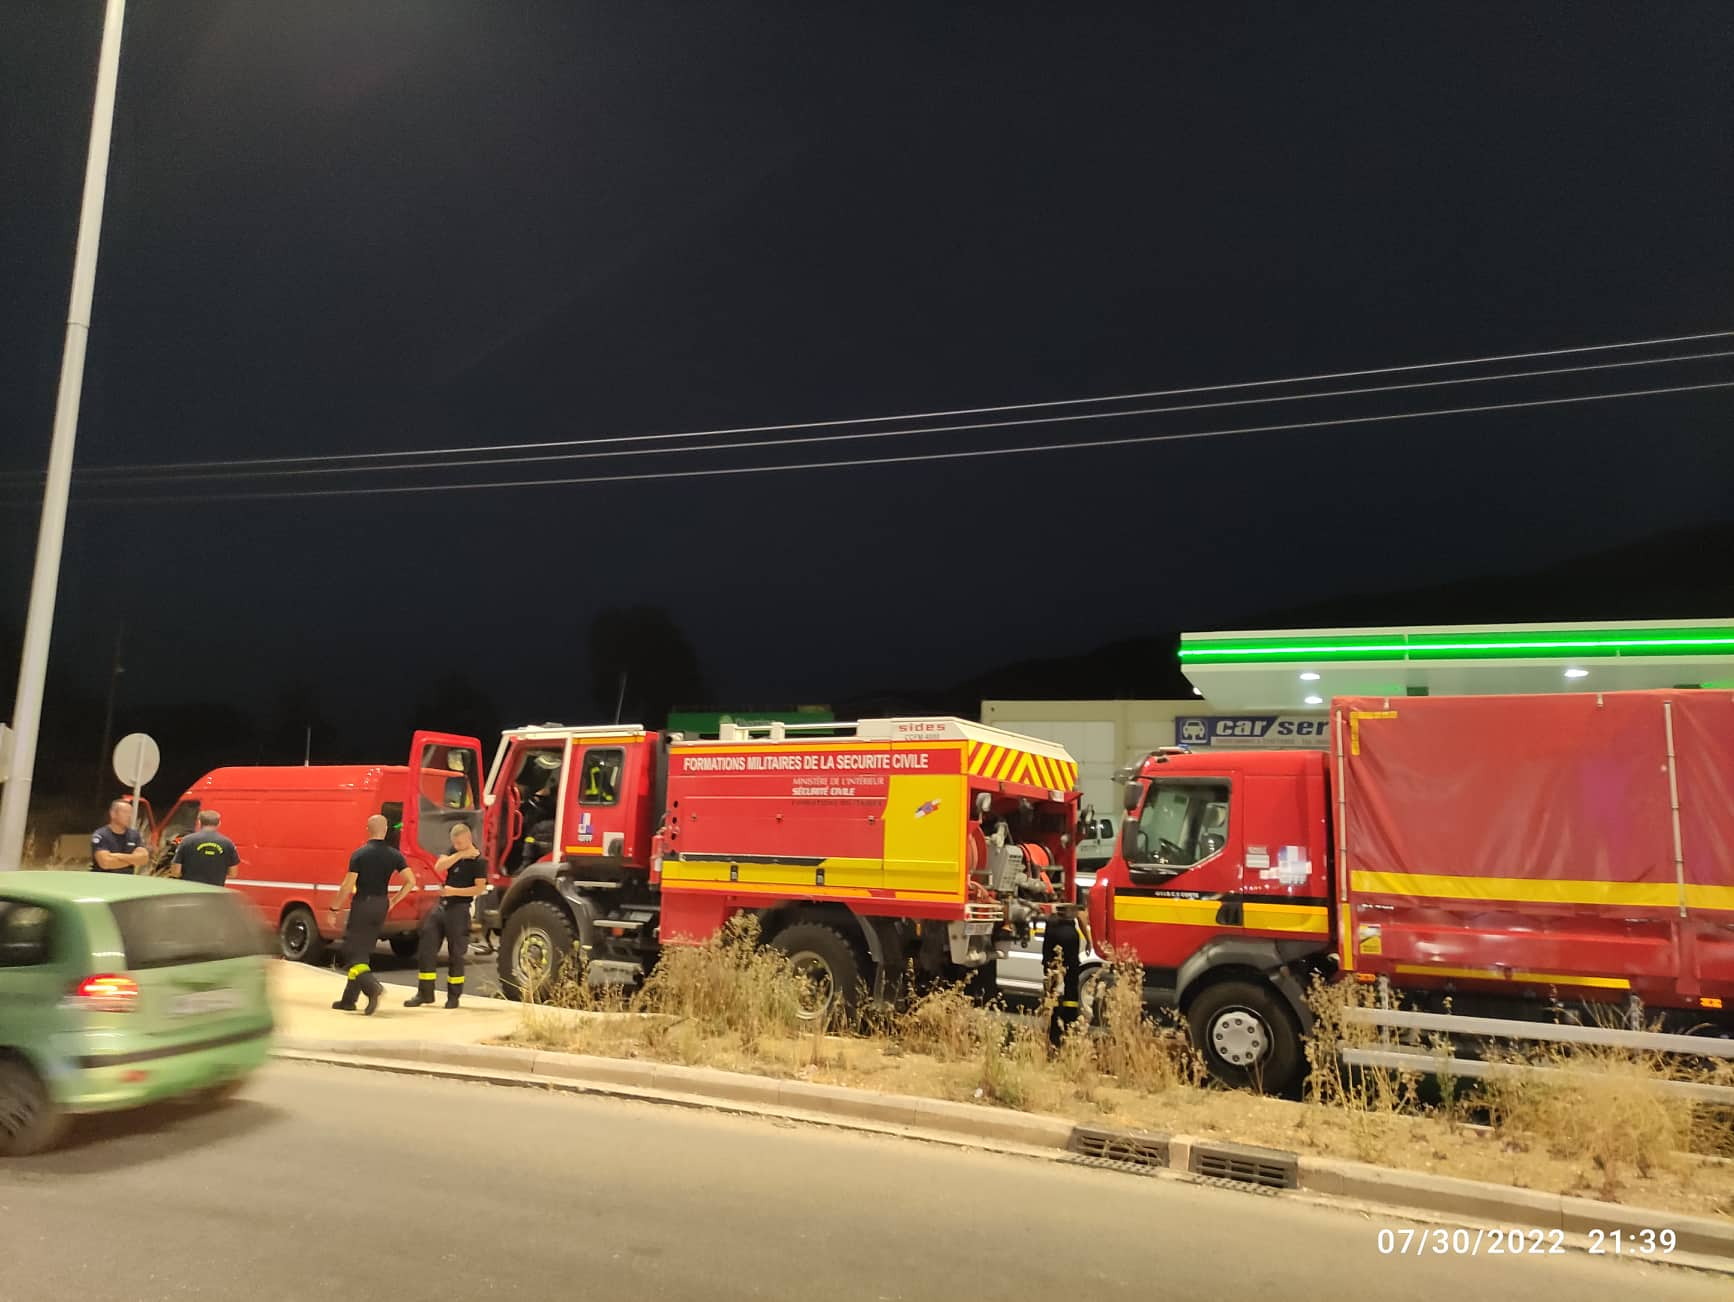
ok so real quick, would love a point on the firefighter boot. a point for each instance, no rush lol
(424, 991)
(454, 990)
(373, 988)
(347, 1003)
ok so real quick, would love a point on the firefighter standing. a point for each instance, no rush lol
(1060, 937)
(371, 870)
(466, 877)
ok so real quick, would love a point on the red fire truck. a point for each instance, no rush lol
(1523, 856)
(861, 848)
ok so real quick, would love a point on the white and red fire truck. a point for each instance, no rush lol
(862, 849)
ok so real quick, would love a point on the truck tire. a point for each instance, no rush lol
(535, 941)
(298, 936)
(982, 983)
(405, 944)
(832, 969)
(1247, 1037)
(29, 1120)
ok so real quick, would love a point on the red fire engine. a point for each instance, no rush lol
(1523, 856)
(860, 848)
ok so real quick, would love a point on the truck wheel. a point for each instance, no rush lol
(298, 936)
(405, 944)
(29, 1120)
(982, 983)
(534, 943)
(829, 967)
(1248, 1039)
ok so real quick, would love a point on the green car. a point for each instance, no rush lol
(117, 991)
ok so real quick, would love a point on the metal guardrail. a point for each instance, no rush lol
(1437, 1063)
(1441, 1062)
(1500, 1029)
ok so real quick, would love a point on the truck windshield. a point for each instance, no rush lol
(1182, 823)
(170, 930)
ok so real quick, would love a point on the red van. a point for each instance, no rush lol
(295, 828)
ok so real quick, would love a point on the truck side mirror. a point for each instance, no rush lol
(1133, 794)
(1129, 840)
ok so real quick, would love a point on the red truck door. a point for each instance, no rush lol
(607, 790)
(445, 778)
(1183, 854)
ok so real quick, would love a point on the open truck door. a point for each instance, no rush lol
(446, 778)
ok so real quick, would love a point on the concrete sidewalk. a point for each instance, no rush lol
(301, 996)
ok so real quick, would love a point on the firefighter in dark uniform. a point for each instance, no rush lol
(1060, 938)
(207, 856)
(371, 871)
(116, 846)
(465, 877)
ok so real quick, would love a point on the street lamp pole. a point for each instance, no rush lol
(45, 582)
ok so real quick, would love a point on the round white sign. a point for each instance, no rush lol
(136, 759)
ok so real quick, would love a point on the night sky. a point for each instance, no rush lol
(337, 227)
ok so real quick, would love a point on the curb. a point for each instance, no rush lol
(1702, 1242)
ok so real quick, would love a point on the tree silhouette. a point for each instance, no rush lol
(642, 649)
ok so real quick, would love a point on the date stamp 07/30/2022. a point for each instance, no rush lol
(1418, 1241)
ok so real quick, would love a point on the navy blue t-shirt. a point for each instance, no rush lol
(106, 838)
(206, 856)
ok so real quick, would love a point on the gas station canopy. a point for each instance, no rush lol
(1302, 669)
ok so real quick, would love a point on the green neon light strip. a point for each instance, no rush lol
(1436, 646)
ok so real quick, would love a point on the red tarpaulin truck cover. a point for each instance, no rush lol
(1484, 835)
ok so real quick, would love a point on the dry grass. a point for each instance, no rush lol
(735, 1007)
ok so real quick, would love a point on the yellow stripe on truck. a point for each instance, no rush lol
(1308, 919)
(1304, 919)
(1498, 974)
(1526, 890)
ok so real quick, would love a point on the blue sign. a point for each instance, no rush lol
(1253, 731)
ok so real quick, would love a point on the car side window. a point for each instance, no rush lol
(26, 934)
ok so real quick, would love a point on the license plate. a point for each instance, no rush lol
(978, 928)
(206, 1001)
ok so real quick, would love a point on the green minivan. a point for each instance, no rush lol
(118, 990)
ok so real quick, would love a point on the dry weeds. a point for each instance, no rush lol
(1603, 1131)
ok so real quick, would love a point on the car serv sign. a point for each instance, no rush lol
(1253, 731)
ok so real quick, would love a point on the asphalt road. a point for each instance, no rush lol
(333, 1182)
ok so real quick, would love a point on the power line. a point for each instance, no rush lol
(214, 470)
(967, 454)
(926, 415)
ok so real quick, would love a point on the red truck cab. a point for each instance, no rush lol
(1220, 885)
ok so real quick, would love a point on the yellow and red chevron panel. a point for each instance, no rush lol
(1005, 764)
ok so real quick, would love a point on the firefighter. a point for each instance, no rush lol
(371, 871)
(1060, 937)
(465, 877)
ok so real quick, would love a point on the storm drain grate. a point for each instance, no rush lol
(1267, 1168)
(1125, 1147)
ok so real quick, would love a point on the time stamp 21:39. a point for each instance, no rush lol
(1412, 1242)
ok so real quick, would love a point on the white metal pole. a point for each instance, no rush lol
(45, 582)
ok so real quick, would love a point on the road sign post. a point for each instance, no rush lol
(135, 763)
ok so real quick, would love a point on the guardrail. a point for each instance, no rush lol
(1440, 1061)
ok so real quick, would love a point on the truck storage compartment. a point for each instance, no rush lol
(1533, 839)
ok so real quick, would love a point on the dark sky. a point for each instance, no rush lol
(339, 227)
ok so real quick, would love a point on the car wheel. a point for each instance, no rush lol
(298, 936)
(534, 945)
(1090, 991)
(405, 944)
(29, 1120)
(223, 1091)
(1248, 1039)
(828, 966)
